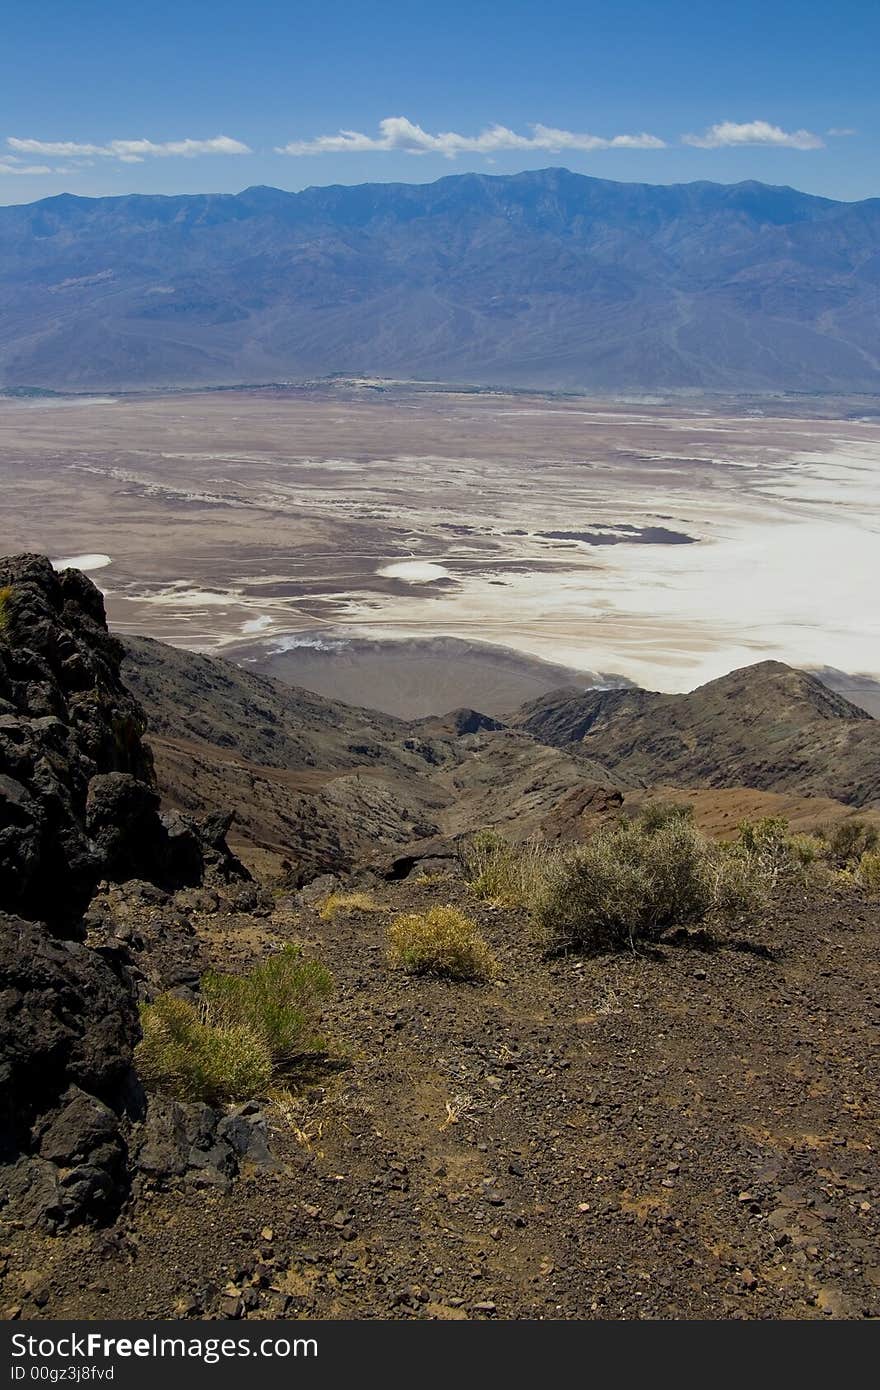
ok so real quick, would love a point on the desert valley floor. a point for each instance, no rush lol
(509, 544)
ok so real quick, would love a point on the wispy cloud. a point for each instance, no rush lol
(10, 165)
(732, 133)
(398, 133)
(129, 151)
(841, 130)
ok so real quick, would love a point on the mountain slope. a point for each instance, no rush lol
(545, 278)
(765, 726)
(326, 786)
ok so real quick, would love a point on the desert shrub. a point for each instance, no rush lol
(625, 884)
(739, 886)
(184, 1056)
(773, 849)
(279, 1001)
(869, 871)
(441, 941)
(635, 879)
(808, 849)
(849, 840)
(346, 902)
(5, 605)
(243, 1032)
(656, 815)
(499, 872)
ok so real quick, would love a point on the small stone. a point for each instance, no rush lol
(748, 1280)
(267, 1233)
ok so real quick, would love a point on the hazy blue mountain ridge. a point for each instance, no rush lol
(546, 278)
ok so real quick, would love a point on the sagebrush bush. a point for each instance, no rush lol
(346, 902)
(849, 840)
(441, 941)
(774, 850)
(629, 883)
(244, 1031)
(656, 815)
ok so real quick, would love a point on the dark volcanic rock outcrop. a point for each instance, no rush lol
(77, 795)
(68, 1025)
(78, 805)
(65, 718)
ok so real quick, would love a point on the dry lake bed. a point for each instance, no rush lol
(417, 549)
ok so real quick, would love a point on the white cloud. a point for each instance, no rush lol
(10, 165)
(398, 133)
(841, 130)
(732, 133)
(129, 151)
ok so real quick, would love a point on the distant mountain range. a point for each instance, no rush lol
(546, 279)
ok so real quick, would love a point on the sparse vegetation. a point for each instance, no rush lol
(244, 1031)
(850, 840)
(183, 1055)
(499, 872)
(772, 848)
(278, 1001)
(629, 882)
(868, 873)
(346, 902)
(656, 815)
(6, 592)
(441, 941)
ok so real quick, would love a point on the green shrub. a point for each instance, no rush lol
(441, 941)
(182, 1055)
(278, 1001)
(869, 871)
(626, 883)
(771, 846)
(244, 1031)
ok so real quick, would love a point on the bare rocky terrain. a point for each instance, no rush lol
(686, 1130)
(766, 726)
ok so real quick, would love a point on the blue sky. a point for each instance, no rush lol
(100, 98)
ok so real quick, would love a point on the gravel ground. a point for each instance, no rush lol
(690, 1133)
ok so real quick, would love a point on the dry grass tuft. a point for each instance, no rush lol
(353, 903)
(6, 592)
(441, 941)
